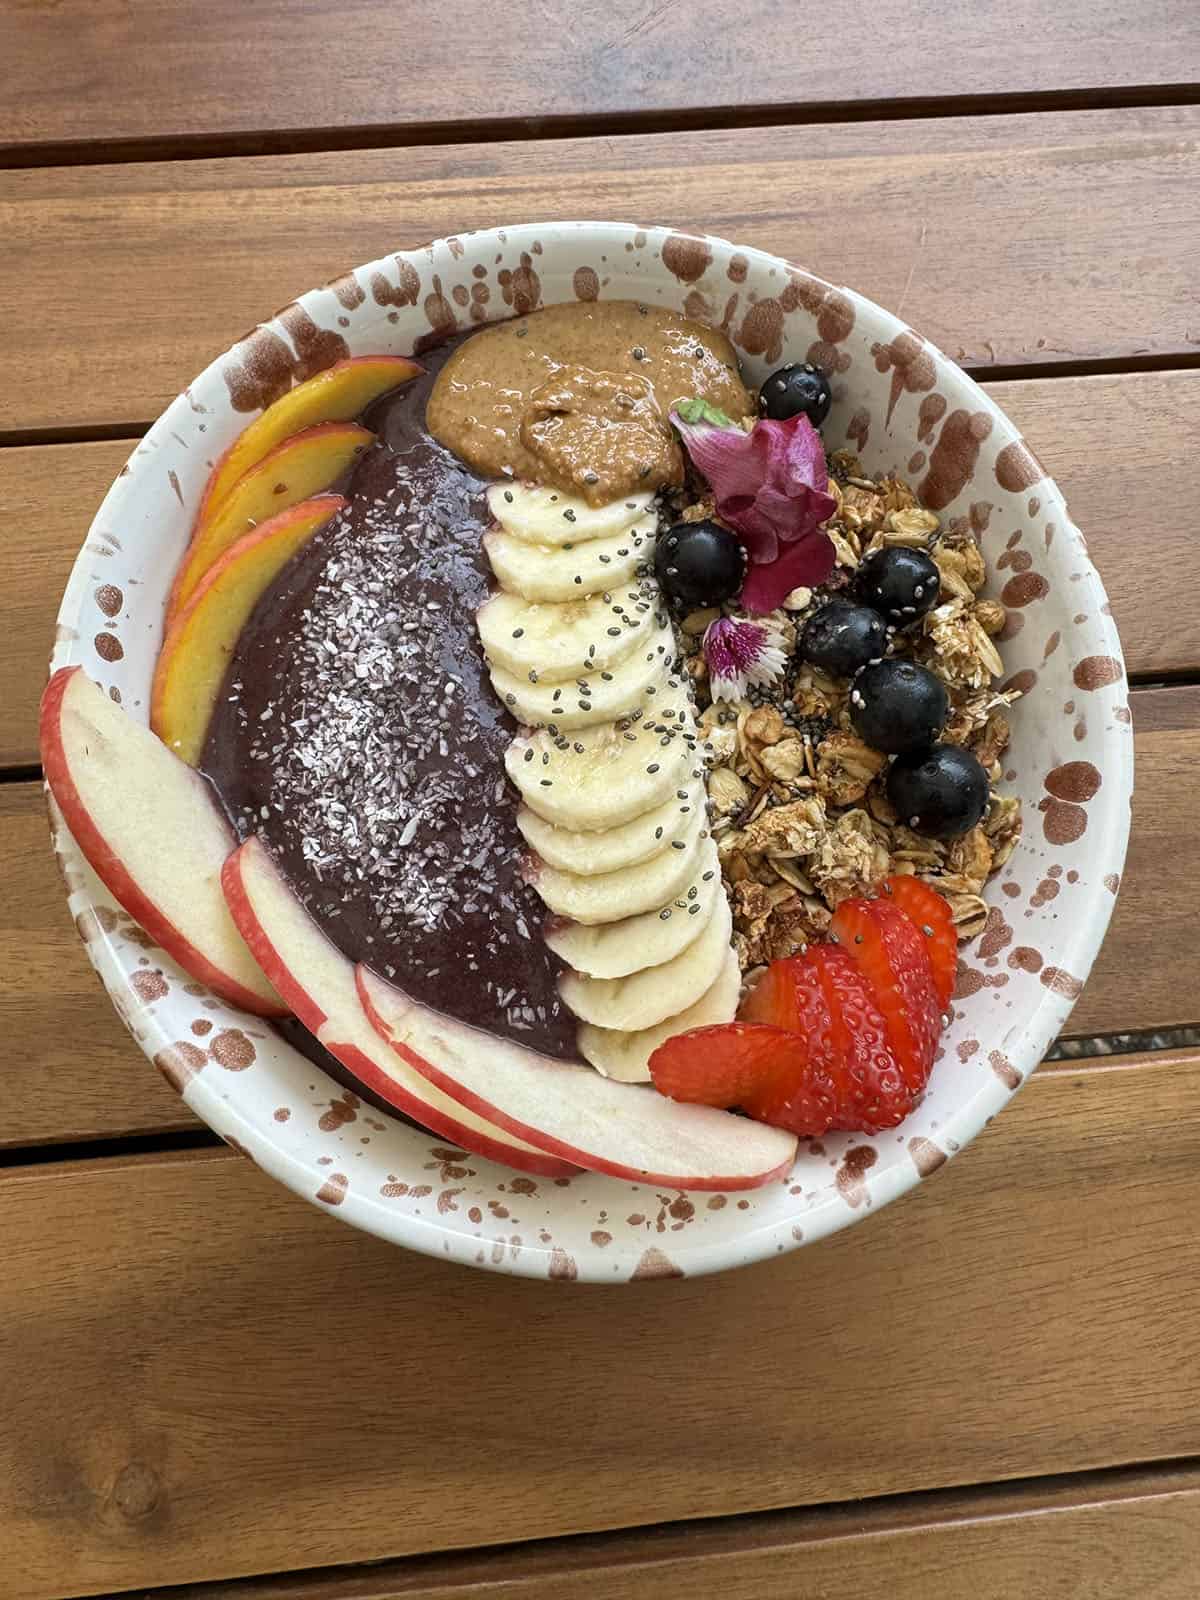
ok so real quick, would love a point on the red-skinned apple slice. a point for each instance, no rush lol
(338, 394)
(318, 984)
(621, 1129)
(198, 648)
(151, 830)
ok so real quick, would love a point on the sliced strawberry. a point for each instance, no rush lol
(872, 1091)
(726, 1063)
(890, 951)
(850, 1079)
(931, 913)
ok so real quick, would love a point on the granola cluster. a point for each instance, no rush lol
(799, 810)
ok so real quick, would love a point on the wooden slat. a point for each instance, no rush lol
(48, 494)
(1006, 240)
(1103, 1536)
(204, 1377)
(223, 67)
(78, 1075)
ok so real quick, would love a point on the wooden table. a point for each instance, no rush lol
(989, 1390)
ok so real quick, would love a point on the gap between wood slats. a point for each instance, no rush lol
(313, 141)
(665, 1562)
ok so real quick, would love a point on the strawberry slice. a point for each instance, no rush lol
(890, 951)
(850, 1080)
(872, 1091)
(726, 1063)
(931, 913)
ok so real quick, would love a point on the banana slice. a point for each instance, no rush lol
(616, 1053)
(656, 993)
(557, 642)
(603, 776)
(596, 696)
(547, 516)
(617, 949)
(539, 572)
(613, 896)
(614, 848)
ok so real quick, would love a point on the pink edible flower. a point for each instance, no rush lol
(770, 486)
(740, 653)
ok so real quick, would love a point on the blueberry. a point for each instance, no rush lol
(896, 706)
(699, 563)
(900, 584)
(796, 391)
(842, 637)
(942, 792)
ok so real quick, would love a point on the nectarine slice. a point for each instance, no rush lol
(318, 982)
(301, 466)
(151, 829)
(198, 649)
(336, 395)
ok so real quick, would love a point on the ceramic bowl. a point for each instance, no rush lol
(904, 407)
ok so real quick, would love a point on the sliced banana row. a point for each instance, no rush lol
(609, 773)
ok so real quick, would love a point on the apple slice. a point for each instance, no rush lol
(338, 394)
(151, 829)
(197, 651)
(301, 466)
(318, 984)
(621, 1129)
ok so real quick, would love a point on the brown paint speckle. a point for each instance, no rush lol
(108, 647)
(1075, 780)
(403, 293)
(333, 1190)
(149, 986)
(179, 1063)
(341, 1111)
(858, 429)
(912, 367)
(1112, 881)
(600, 1238)
(1062, 823)
(262, 372)
(350, 293)
(1004, 1069)
(1024, 589)
(851, 1175)
(1061, 982)
(316, 348)
(110, 599)
(761, 332)
(1017, 467)
(232, 1050)
(996, 934)
(952, 462)
(685, 257)
(562, 1266)
(737, 269)
(1025, 959)
(655, 1264)
(1097, 672)
(933, 409)
(927, 1156)
(585, 284)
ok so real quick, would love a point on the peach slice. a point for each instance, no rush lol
(621, 1129)
(338, 394)
(152, 831)
(318, 983)
(198, 649)
(300, 467)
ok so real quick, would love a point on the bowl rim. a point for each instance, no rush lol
(1025, 1044)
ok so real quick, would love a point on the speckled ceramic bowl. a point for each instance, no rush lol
(904, 407)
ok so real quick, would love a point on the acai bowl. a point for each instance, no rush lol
(385, 901)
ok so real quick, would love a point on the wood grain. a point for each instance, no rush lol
(49, 493)
(203, 1377)
(1103, 1536)
(1010, 241)
(225, 68)
(77, 1074)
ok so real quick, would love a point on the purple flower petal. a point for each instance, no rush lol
(807, 562)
